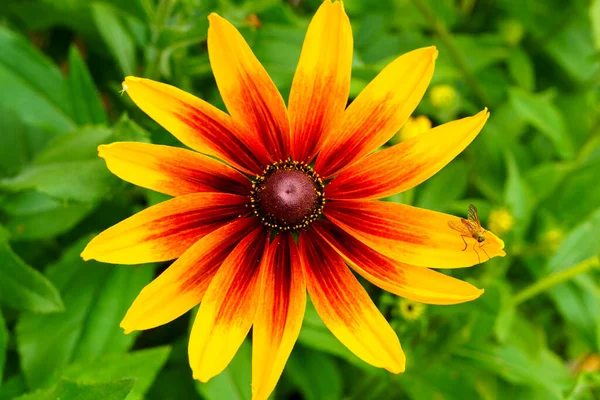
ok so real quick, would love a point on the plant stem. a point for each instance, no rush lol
(453, 51)
(160, 20)
(553, 280)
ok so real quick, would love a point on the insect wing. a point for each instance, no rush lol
(473, 215)
(462, 226)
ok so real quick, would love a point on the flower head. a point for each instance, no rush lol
(501, 221)
(443, 96)
(410, 310)
(413, 127)
(265, 174)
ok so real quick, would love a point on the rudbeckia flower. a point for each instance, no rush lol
(275, 202)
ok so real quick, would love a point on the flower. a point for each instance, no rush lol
(410, 310)
(413, 127)
(443, 96)
(266, 171)
(552, 238)
(501, 221)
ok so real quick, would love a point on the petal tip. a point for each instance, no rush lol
(85, 255)
(213, 17)
(199, 377)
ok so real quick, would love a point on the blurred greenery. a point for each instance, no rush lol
(534, 334)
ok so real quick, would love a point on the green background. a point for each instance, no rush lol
(534, 334)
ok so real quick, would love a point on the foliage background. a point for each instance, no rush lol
(534, 334)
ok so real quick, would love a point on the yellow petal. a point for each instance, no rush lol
(165, 231)
(279, 315)
(414, 283)
(407, 164)
(171, 170)
(379, 111)
(182, 286)
(320, 88)
(250, 95)
(345, 307)
(411, 235)
(197, 124)
(228, 308)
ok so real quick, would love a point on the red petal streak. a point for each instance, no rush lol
(320, 89)
(280, 313)
(182, 286)
(378, 111)
(171, 170)
(345, 307)
(414, 283)
(250, 95)
(165, 231)
(228, 308)
(409, 234)
(198, 124)
(407, 164)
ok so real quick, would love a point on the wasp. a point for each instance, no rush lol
(471, 228)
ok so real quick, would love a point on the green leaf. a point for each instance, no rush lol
(235, 382)
(3, 344)
(82, 181)
(96, 297)
(79, 145)
(573, 201)
(595, 19)
(514, 365)
(70, 390)
(573, 49)
(116, 37)
(315, 374)
(316, 335)
(23, 287)
(539, 111)
(521, 70)
(142, 366)
(18, 142)
(580, 244)
(517, 196)
(87, 105)
(444, 187)
(29, 82)
(34, 215)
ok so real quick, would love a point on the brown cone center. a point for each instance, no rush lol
(288, 196)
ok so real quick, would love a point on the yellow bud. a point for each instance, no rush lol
(512, 31)
(411, 310)
(443, 96)
(551, 239)
(500, 221)
(413, 127)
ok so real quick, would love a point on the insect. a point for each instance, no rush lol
(471, 227)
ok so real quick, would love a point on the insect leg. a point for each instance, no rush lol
(463, 239)
(488, 256)
(476, 252)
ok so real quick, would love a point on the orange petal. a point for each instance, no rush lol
(378, 111)
(279, 315)
(411, 235)
(164, 231)
(414, 283)
(320, 89)
(345, 307)
(197, 124)
(247, 90)
(228, 308)
(171, 170)
(407, 164)
(182, 286)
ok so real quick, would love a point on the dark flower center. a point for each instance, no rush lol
(287, 196)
